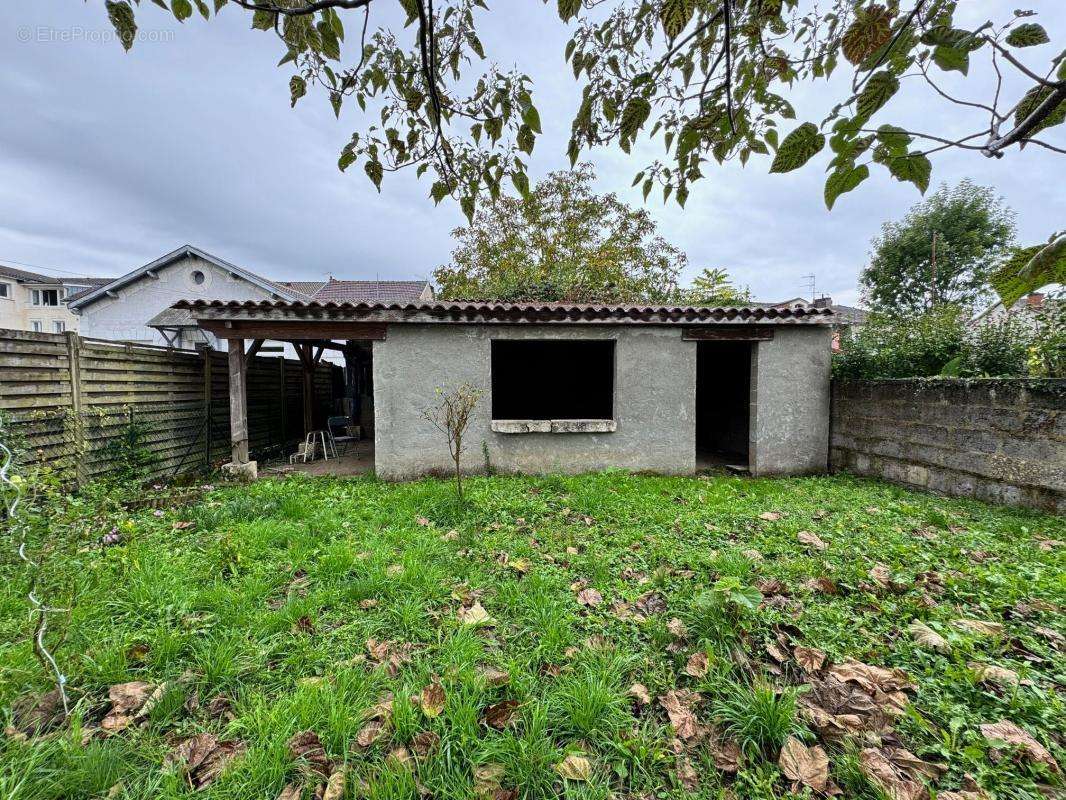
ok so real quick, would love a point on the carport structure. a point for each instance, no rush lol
(567, 387)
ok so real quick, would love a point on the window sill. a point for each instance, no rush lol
(554, 425)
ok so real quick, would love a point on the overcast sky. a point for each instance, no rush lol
(108, 160)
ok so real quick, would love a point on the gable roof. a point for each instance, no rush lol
(299, 291)
(85, 298)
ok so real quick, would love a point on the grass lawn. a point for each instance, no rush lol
(600, 636)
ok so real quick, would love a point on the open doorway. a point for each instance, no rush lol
(723, 400)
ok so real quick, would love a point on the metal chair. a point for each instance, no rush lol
(342, 423)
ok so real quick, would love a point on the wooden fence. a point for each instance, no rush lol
(64, 398)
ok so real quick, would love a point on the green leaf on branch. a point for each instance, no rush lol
(675, 15)
(913, 168)
(521, 183)
(634, 116)
(870, 30)
(261, 20)
(121, 16)
(525, 139)
(568, 9)
(843, 181)
(297, 88)
(181, 9)
(1032, 100)
(532, 118)
(410, 8)
(798, 148)
(893, 138)
(1028, 35)
(1029, 269)
(375, 172)
(952, 59)
(878, 91)
(438, 192)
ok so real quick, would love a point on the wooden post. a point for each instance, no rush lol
(284, 407)
(309, 388)
(238, 401)
(209, 391)
(77, 434)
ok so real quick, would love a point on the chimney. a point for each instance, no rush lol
(823, 302)
(1035, 300)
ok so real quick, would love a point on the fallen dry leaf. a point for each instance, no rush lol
(697, 665)
(401, 757)
(306, 748)
(881, 772)
(810, 659)
(927, 637)
(808, 539)
(424, 743)
(822, 584)
(474, 615)
(993, 674)
(487, 779)
(450, 536)
(804, 765)
(37, 713)
(725, 753)
(650, 603)
(687, 775)
(882, 576)
(978, 627)
(640, 692)
(127, 701)
(432, 700)
(677, 628)
(422, 521)
(494, 676)
(335, 785)
(574, 768)
(291, 792)
(499, 715)
(770, 516)
(202, 758)
(1012, 735)
(369, 734)
(589, 597)
(678, 706)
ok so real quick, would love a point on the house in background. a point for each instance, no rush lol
(1027, 309)
(137, 307)
(844, 317)
(30, 301)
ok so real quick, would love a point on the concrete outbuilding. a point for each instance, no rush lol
(567, 388)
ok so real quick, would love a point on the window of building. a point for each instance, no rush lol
(37, 326)
(552, 379)
(5, 290)
(45, 297)
(59, 326)
(198, 277)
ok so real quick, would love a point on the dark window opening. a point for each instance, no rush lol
(723, 385)
(557, 379)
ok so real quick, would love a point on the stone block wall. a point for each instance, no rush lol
(998, 440)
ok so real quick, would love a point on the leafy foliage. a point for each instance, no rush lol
(973, 230)
(128, 453)
(1031, 268)
(715, 80)
(943, 341)
(562, 241)
(713, 287)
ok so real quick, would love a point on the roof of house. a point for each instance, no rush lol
(466, 311)
(845, 315)
(337, 291)
(25, 276)
(306, 291)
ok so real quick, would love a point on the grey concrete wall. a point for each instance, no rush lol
(655, 391)
(997, 440)
(790, 402)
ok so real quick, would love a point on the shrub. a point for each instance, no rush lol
(1047, 350)
(901, 346)
(994, 349)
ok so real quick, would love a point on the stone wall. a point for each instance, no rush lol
(998, 440)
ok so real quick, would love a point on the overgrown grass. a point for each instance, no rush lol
(270, 598)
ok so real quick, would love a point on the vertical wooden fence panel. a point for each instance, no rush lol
(66, 398)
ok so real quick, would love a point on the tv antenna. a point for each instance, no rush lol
(809, 281)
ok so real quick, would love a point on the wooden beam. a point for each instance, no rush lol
(318, 355)
(254, 348)
(728, 333)
(238, 401)
(313, 330)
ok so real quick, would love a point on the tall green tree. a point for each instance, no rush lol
(562, 241)
(715, 79)
(714, 287)
(944, 250)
